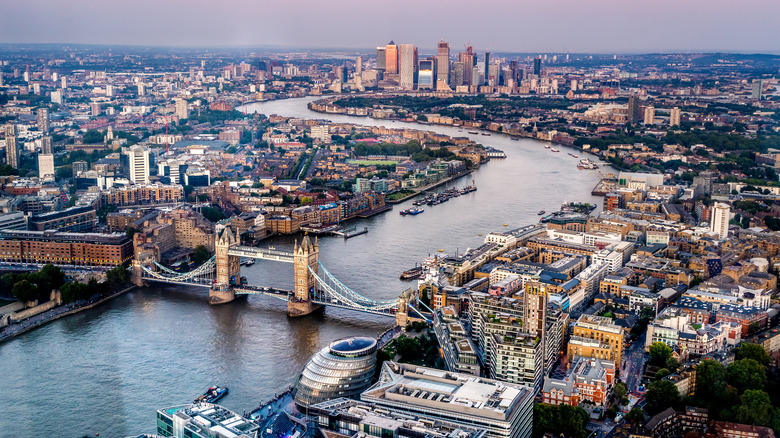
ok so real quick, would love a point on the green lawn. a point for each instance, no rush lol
(399, 195)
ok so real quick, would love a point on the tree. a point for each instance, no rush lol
(212, 214)
(200, 255)
(25, 291)
(117, 277)
(620, 390)
(661, 373)
(565, 420)
(635, 416)
(659, 353)
(755, 408)
(746, 374)
(710, 380)
(660, 395)
(756, 352)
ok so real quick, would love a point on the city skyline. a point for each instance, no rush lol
(530, 26)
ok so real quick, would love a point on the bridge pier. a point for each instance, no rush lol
(301, 308)
(221, 294)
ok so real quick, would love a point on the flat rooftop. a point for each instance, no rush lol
(457, 393)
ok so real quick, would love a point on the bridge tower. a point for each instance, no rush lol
(305, 256)
(228, 269)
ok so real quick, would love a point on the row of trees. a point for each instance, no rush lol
(32, 286)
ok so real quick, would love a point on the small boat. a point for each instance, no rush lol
(411, 274)
(250, 262)
(415, 211)
(573, 155)
(441, 250)
(541, 212)
(473, 132)
(503, 224)
(485, 133)
(547, 146)
(515, 138)
(554, 150)
(212, 395)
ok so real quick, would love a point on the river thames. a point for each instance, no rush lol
(108, 370)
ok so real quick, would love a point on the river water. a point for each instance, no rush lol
(107, 370)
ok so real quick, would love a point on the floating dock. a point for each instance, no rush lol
(350, 232)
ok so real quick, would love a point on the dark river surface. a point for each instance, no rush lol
(107, 370)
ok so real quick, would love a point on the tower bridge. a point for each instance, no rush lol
(314, 287)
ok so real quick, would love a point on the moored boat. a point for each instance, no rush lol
(212, 395)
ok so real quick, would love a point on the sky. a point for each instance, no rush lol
(561, 26)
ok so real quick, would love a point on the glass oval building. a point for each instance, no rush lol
(342, 369)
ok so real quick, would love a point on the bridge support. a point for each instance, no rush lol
(305, 256)
(221, 294)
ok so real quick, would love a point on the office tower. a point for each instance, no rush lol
(425, 74)
(757, 89)
(720, 216)
(456, 78)
(633, 112)
(487, 68)
(11, 146)
(137, 161)
(406, 66)
(46, 145)
(493, 74)
(181, 111)
(443, 62)
(674, 117)
(381, 58)
(391, 58)
(42, 116)
(358, 66)
(538, 66)
(649, 115)
(45, 166)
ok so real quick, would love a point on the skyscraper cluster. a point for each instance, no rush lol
(400, 66)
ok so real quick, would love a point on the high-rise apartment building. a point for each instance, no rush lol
(758, 88)
(443, 62)
(42, 116)
(674, 117)
(137, 160)
(46, 145)
(719, 222)
(45, 166)
(11, 146)
(391, 58)
(538, 66)
(456, 76)
(649, 118)
(633, 112)
(469, 60)
(358, 65)
(181, 111)
(406, 66)
(425, 75)
(487, 68)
